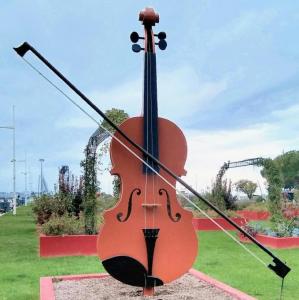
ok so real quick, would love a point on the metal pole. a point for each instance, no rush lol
(13, 159)
(30, 180)
(14, 162)
(25, 174)
(41, 176)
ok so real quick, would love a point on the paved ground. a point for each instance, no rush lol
(185, 288)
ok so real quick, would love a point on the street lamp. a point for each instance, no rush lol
(41, 160)
(25, 173)
(13, 128)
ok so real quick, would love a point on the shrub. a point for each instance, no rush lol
(282, 226)
(259, 206)
(295, 232)
(45, 205)
(259, 226)
(250, 229)
(221, 195)
(59, 225)
(42, 207)
(62, 204)
(259, 199)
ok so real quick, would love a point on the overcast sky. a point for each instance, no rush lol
(229, 78)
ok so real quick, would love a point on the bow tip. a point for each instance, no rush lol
(21, 50)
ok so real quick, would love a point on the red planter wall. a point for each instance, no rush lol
(264, 215)
(253, 215)
(67, 245)
(207, 224)
(72, 245)
(291, 213)
(274, 242)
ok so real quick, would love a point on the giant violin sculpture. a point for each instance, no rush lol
(148, 239)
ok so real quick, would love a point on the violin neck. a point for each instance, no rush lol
(150, 111)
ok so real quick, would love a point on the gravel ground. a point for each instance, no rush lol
(187, 287)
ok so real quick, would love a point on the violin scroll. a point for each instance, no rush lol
(149, 17)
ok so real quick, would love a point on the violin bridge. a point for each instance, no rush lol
(150, 205)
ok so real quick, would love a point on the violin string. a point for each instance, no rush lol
(150, 113)
(147, 133)
(146, 163)
(152, 132)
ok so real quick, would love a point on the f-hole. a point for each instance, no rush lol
(177, 215)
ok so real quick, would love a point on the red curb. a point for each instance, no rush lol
(46, 290)
(220, 285)
(207, 224)
(273, 242)
(80, 276)
(47, 287)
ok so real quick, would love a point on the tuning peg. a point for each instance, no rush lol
(134, 37)
(162, 44)
(136, 48)
(161, 35)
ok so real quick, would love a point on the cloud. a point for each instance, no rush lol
(209, 150)
(247, 23)
(288, 113)
(180, 89)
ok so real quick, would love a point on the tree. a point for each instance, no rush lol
(70, 187)
(272, 174)
(117, 116)
(221, 194)
(247, 187)
(89, 192)
(288, 165)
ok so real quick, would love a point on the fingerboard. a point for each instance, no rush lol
(150, 111)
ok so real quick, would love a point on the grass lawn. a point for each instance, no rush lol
(224, 260)
(20, 266)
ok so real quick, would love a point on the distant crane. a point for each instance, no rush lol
(42, 184)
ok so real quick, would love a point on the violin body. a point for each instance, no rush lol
(148, 239)
(153, 205)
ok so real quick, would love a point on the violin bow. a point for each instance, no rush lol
(277, 266)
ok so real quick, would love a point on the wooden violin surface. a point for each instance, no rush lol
(147, 202)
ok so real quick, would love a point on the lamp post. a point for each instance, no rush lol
(13, 128)
(24, 173)
(41, 176)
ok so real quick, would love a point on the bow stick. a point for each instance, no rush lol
(279, 267)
